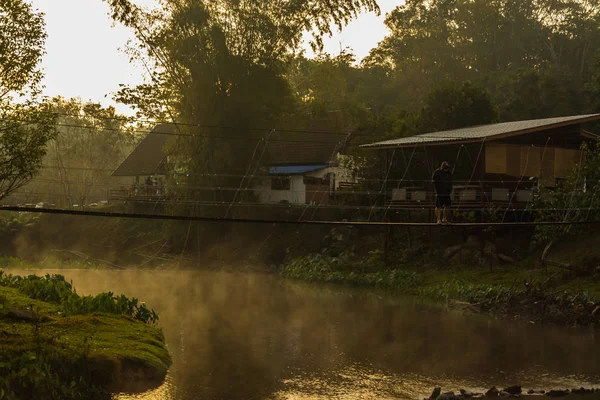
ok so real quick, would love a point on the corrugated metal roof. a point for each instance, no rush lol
(295, 169)
(147, 158)
(485, 131)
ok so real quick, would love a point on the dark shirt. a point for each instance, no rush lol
(442, 182)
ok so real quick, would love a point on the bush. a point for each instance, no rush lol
(55, 289)
(346, 269)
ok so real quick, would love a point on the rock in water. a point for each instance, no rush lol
(466, 394)
(513, 389)
(493, 392)
(557, 393)
(436, 393)
(506, 259)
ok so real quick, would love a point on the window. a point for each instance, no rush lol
(280, 183)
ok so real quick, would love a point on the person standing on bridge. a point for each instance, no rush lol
(442, 183)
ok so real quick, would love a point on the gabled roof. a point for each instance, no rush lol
(149, 156)
(288, 148)
(315, 144)
(487, 132)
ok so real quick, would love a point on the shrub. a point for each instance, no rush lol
(55, 289)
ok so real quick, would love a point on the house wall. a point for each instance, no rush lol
(299, 192)
(296, 194)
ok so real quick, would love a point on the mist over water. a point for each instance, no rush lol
(254, 336)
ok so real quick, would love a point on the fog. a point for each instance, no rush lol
(249, 335)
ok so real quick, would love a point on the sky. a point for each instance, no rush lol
(84, 50)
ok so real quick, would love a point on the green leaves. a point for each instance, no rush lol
(453, 106)
(55, 289)
(26, 127)
(22, 38)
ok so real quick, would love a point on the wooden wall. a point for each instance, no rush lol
(546, 162)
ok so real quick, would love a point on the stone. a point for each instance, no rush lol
(530, 391)
(473, 242)
(557, 393)
(506, 259)
(493, 392)
(451, 251)
(466, 394)
(516, 389)
(447, 396)
(436, 393)
(490, 249)
(462, 257)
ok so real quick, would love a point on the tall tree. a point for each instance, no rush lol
(224, 64)
(25, 127)
(453, 105)
(494, 42)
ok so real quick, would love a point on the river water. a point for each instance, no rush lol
(253, 336)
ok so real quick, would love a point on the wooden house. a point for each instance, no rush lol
(496, 164)
(148, 160)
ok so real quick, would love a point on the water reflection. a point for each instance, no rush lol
(251, 336)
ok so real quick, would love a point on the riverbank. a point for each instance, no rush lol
(515, 391)
(549, 295)
(55, 344)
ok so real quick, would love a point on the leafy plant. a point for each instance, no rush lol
(55, 289)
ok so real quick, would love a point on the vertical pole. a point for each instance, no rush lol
(481, 182)
(386, 244)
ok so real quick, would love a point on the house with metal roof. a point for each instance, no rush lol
(304, 168)
(492, 164)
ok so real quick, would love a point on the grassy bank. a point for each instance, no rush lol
(542, 295)
(55, 344)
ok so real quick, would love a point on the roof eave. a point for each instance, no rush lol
(591, 118)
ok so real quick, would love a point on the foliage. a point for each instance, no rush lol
(344, 269)
(22, 38)
(574, 200)
(487, 41)
(91, 141)
(35, 375)
(55, 289)
(24, 131)
(24, 127)
(47, 355)
(453, 105)
(224, 64)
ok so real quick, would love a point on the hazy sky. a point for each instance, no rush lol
(83, 48)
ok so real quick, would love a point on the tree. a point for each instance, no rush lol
(573, 201)
(500, 44)
(453, 105)
(25, 127)
(91, 141)
(224, 64)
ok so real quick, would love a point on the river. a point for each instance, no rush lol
(254, 336)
